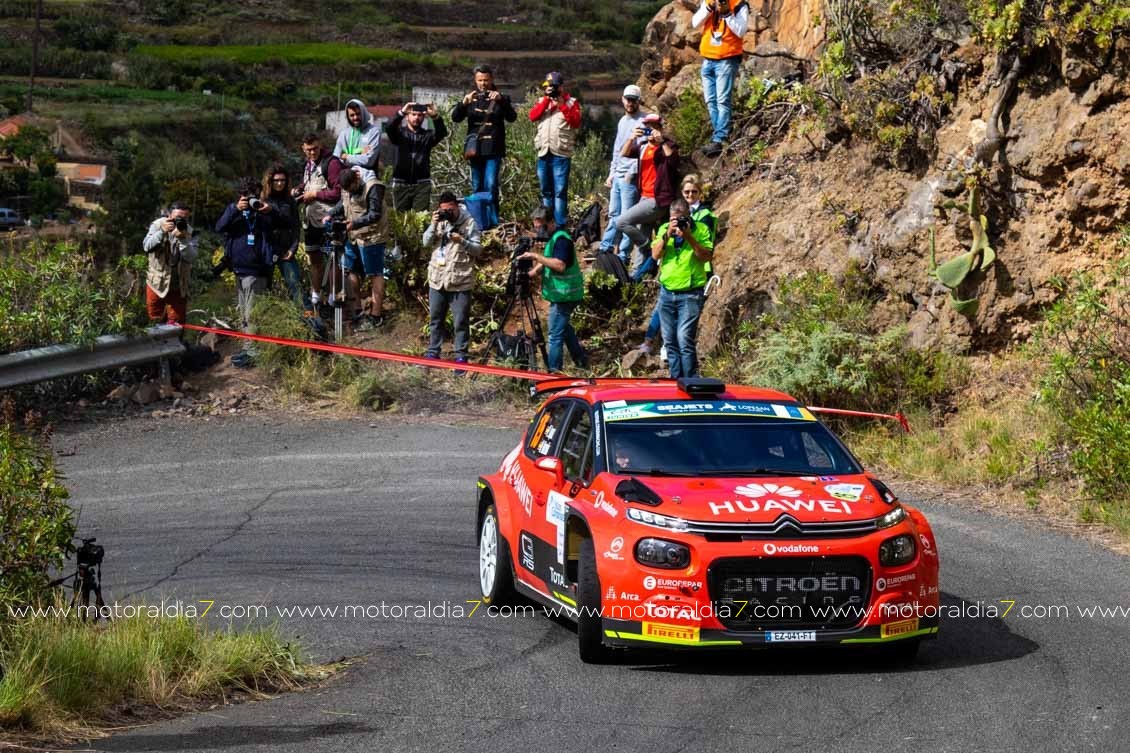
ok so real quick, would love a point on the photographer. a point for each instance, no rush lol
(657, 162)
(486, 111)
(721, 48)
(359, 145)
(623, 191)
(171, 250)
(245, 226)
(558, 119)
(412, 174)
(562, 284)
(362, 207)
(285, 226)
(683, 248)
(453, 237)
(319, 190)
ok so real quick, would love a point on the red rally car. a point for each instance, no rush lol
(693, 514)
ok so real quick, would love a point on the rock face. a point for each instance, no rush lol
(776, 27)
(1058, 202)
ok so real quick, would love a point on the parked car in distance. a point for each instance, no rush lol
(10, 218)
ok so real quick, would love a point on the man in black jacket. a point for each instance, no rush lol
(246, 226)
(485, 110)
(412, 174)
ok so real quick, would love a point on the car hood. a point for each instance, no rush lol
(808, 499)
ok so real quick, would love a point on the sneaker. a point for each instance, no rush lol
(663, 354)
(645, 348)
(713, 149)
(460, 372)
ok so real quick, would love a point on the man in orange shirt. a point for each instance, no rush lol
(723, 26)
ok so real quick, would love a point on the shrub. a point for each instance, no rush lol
(36, 525)
(1085, 340)
(689, 122)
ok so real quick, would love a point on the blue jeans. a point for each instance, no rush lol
(561, 331)
(717, 86)
(553, 177)
(653, 325)
(678, 319)
(292, 276)
(621, 197)
(647, 267)
(484, 177)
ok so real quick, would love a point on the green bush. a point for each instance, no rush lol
(689, 123)
(1085, 340)
(57, 294)
(36, 525)
(819, 343)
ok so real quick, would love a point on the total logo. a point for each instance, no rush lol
(772, 549)
(652, 583)
(882, 584)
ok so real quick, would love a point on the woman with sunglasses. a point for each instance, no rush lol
(285, 228)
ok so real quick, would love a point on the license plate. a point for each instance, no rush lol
(790, 636)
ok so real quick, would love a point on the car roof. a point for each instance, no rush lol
(607, 390)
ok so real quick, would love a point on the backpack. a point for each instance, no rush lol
(610, 263)
(588, 227)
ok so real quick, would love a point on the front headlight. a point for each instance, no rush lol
(660, 553)
(897, 550)
(655, 519)
(894, 517)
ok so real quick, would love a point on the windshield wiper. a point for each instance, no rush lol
(657, 472)
(751, 472)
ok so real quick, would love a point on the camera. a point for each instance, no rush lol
(181, 224)
(89, 554)
(255, 203)
(419, 108)
(518, 283)
(481, 96)
(683, 222)
(646, 131)
(552, 91)
(449, 215)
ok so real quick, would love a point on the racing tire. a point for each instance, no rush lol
(496, 573)
(590, 631)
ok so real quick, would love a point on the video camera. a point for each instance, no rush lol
(335, 232)
(89, 554)
(518, 282)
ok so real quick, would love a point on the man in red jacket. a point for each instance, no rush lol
(558, 119)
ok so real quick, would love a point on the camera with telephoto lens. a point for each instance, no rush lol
(683, 222)
(255, 203)
(181, 224)
(89, 554)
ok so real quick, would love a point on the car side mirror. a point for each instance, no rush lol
(553, 465)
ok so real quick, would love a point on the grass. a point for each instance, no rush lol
(62, 675)
(310, 53)
(122, 94)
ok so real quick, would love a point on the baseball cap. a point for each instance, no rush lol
(554, 78)
(652, 117)
(631, 91)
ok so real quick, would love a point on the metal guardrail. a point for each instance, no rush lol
(107, 352)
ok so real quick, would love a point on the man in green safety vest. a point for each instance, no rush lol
(683, 248)
(562, 284)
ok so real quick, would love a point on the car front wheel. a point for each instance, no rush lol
(496, 575)
(590, 629)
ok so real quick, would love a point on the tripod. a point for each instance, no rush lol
(87, 579)
(523, 346)
(334, 250)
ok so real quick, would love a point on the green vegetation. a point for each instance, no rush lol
(57, 294)
(689, 123)
(61, 675)
(311, 53)
(36, 525)
(979, 256)
(819, 343)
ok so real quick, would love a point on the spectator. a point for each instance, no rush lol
(657, 163)
(171, 250)
(246, 226)
(285, 226)
(700, 212)
(558, 119)
(359, 145)
(453, 237)
(562, 284)
(412, 175)
(318, 191)
(683, 247)
(623, 191)
(485, 110)
(721, 49)
(366, 225)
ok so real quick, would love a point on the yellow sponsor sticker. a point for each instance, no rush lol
(902, 627)
(670, 632)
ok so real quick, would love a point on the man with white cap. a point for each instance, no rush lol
(623, 192)
(657, 163)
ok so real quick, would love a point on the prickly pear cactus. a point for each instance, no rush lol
(979, 256)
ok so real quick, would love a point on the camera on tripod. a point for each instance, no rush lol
(518, 283)
(335, 232)
(89, 554)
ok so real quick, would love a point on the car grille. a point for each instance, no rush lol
(784, 527)
(774, 593)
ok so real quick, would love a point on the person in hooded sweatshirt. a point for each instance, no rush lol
(359, 145)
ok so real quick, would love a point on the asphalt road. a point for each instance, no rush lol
(281, 513)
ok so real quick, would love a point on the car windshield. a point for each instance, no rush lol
(712, 446)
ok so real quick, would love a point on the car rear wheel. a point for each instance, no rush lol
(590, 632)
(496, 574)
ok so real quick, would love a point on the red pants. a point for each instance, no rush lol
(169, 309)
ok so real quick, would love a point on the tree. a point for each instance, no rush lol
(130, 196)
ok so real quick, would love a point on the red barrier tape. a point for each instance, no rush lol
(380, 355)
(500, 371)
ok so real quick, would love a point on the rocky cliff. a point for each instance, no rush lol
(1058, 196)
